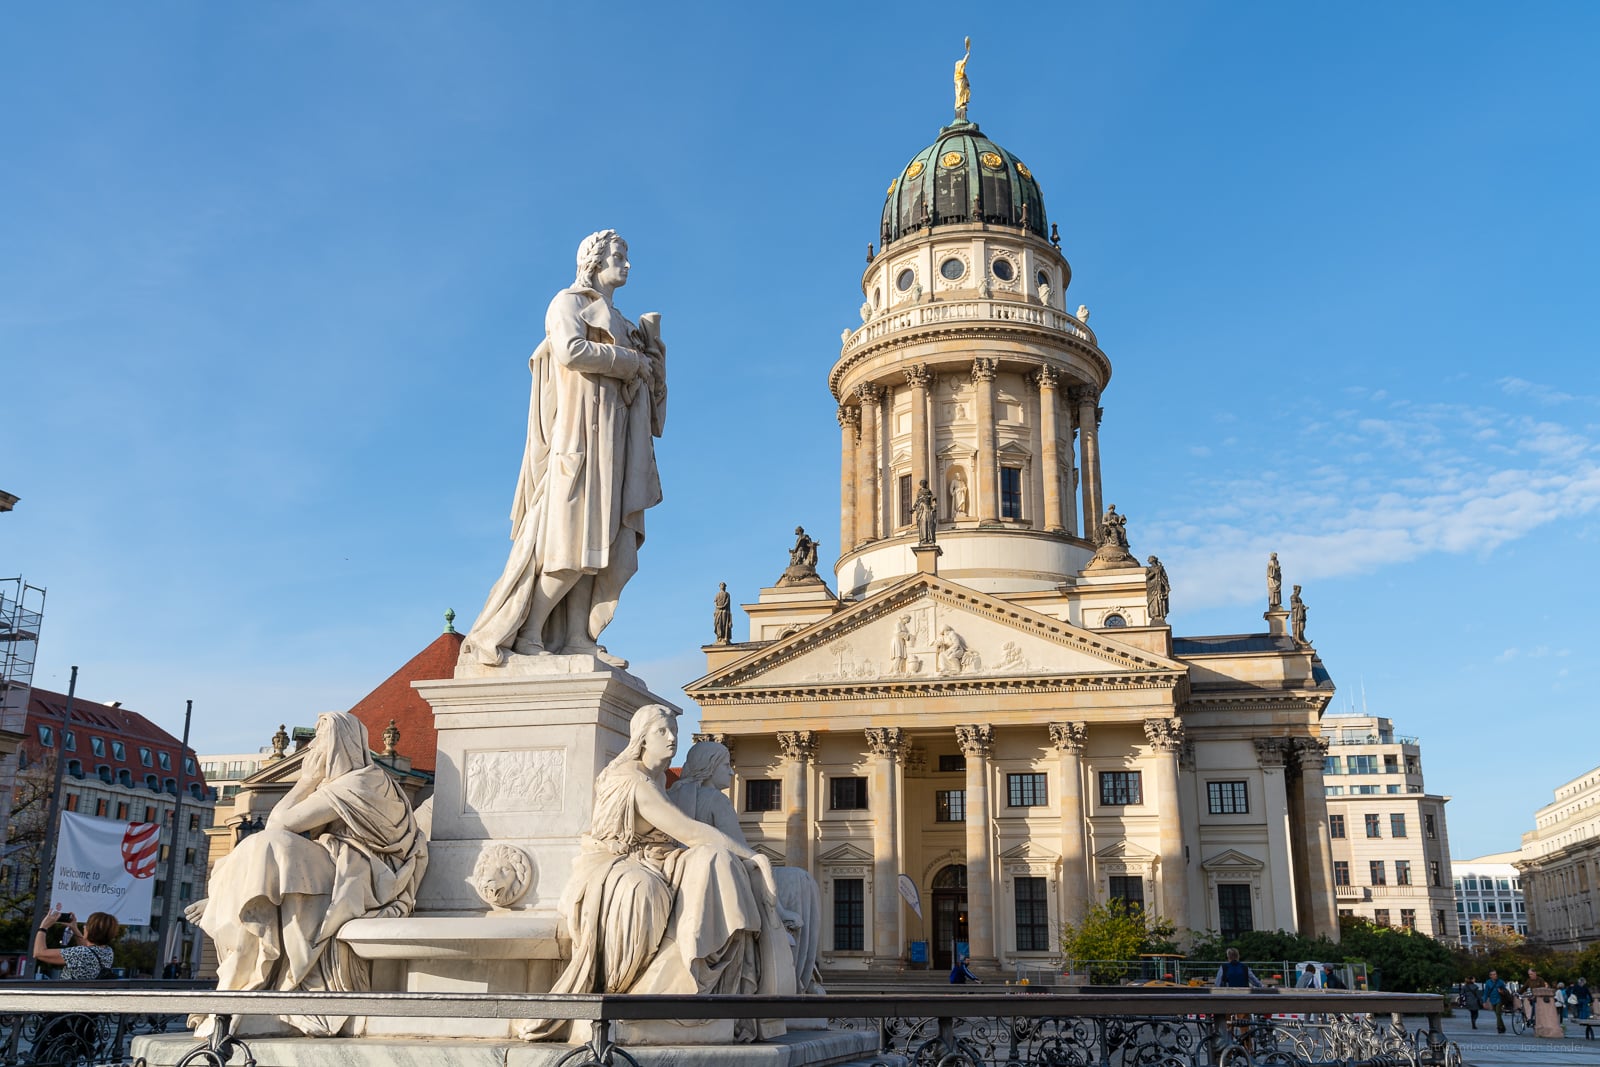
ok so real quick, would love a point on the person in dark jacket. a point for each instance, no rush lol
(960, 973)
(1472, 999)
(1499, 997)
(1235, 974)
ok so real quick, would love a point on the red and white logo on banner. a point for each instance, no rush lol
(141, 845)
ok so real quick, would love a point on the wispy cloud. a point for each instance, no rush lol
(1544, 394)
(1411, 479)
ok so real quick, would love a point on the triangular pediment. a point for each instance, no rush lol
(924, 632)
(1124, 850)
(774, 855)
(1030, 850)
(1231, 860)
(846, 853)
(278, 771)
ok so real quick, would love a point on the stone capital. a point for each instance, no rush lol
(1164, 735)
(725, 740)
(887, 742)
(917, 376)
(869, 393)
(1069, 737)
(798, 746)
(977, 741)
(1046, 378)
(1270, 751)
(1084, 394)
(983, 369)
(849, 418)
(1311, 752)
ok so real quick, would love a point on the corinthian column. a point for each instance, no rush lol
(1069, 739)
(887, 744)
(918, 378)
(1270, 754)
(1050, 448)
(1087, 400)
(1166, 738)
(1322, 906)
(977, 742)
(867, 465)
(988, 457)
(849, 427)
(798, 747)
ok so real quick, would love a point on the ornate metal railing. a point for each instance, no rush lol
(1014, 1029)
(938, 312)
(83, 1037)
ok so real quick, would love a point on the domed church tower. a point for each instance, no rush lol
(968, 372)
(991, 727)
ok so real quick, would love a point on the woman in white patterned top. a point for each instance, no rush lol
(88, 950)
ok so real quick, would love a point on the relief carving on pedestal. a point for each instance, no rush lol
(503, 875)
(520, 780)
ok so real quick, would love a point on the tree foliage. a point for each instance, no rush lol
(1398, 960)
(1112, 935)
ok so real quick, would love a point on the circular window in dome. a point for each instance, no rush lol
(1023, 170)
(951, 160)
(892, 187)
(992, 160)
(914, 170)
(952, 269)
(1003, 269)
(1043, 278)
(1114, 620)
(905, 279)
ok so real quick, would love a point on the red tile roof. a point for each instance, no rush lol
(91, 720)
(395, 699)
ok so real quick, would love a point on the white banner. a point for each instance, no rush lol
(908, 889)
(106, 865)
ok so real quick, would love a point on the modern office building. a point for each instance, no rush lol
(1488, 892)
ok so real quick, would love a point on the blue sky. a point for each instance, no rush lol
(269, 275)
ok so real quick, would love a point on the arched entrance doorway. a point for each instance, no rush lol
(949, 913)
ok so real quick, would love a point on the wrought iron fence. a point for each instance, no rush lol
(1000, 1029)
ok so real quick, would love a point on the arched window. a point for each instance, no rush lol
(951, 877)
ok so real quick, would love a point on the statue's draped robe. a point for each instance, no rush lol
(643, 912)
(588, 474)
(799, 896)
(278, 899)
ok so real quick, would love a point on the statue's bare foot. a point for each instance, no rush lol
(524, 647)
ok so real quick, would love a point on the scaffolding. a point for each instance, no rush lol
(21, 613)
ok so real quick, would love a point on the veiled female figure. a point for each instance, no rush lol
(343, 844)
(659, 902)
(699, 794)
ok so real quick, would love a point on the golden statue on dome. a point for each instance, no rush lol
(963, 87)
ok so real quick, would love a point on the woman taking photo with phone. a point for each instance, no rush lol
(87, 954)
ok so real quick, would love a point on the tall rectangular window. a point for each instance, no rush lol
(1397, 825)
(1129, 890)
(1227, 798)
(950, 805)
(1336, 826)
(72, 802)
(100, 807)
(849, 914)
(1402, 872)
(763, 794)
(1391, 764)
(1330, 765)
(847, 794)
(1121, 788)
(1233, 909)
(1408, 918)
(1011, 492)
(1375, 873)
(1341, 872)
(1373, 826)
(1434, 873)
(1361, 764)
(1429, 830)
(1025, 790)
(952, 761)
(122, 809)
(97, 745)
(1380, 916)
(1033, 915)
(906, 499)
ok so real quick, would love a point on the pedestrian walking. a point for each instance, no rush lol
(1583, 997)
(1235, 974)
(1498, 995)
(1561, 1002)
(1472, 999)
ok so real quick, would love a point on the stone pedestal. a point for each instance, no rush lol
(1546, 1021)
(519, 750)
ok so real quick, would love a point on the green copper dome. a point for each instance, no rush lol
(962, 177)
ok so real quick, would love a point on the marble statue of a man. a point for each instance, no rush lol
(588, 470)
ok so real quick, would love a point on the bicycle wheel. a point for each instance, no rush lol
(1519, 1023)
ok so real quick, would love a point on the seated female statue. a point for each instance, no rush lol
(342, 845)
(662, 903)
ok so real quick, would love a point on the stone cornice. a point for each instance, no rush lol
(974, 333)
(955, 686)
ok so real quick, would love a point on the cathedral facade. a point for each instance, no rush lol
(991, 725)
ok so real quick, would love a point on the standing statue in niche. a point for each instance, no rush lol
(1274, 583)
(722, 615)
(588, 471)
(700, 794)
(658, 902)
(925, 513)
(343, 844)
(1297, 617)
(958, 497)
(1158, 589)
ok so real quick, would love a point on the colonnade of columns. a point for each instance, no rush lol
(866, 495)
